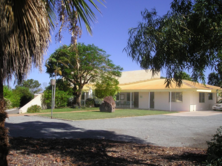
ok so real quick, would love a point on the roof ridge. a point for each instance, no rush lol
(152, 79)
(186, 83)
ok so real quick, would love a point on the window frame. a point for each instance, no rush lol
(201, 97)
(210, 96)
(175, 97)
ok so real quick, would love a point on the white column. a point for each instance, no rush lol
(90, 93)
(170, 100)
(149, 101)
(119, 100)
(130, 99)
(84, 99)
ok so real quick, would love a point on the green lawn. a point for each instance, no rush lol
(69, 109)
(103, 115)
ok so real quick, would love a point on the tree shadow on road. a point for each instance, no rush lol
(75, 143)
(67, 144)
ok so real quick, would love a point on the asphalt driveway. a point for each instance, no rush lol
(191, 129)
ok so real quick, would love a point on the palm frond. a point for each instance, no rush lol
(24, 36)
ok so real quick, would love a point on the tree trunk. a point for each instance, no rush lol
(4, 150)
(77, 99)
(74, 94)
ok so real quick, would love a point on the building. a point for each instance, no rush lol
(143, 90)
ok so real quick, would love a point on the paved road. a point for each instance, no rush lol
(13, 111)
(177, 130)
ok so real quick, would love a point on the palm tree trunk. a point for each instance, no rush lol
(4, 150)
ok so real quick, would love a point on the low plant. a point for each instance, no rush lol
(89, 102)
(34, 109)
(214, 151)
(8, 103)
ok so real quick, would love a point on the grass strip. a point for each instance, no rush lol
(103, 115)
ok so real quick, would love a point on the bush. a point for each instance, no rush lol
(12, 96)
(98, 102)
(214, 151)
(90, 102)
(34, 109)
(8, 103)
(61, 98)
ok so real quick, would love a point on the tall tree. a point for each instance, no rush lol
(215, 78)
(62, 85)
(186, 38)
(94, 63)
(57, 70)
(32, 85)
(24, 37)
(106, 86)
(183, 75)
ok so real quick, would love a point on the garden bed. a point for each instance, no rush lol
(30, 151)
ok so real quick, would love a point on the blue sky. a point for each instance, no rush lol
(110, 32)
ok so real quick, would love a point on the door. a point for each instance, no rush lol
(152, 100)
(136, 99)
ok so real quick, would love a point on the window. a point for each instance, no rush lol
(210, 96)
(176, 96)
(128, 97)
(201, 97)
(83, 96)
(122, 96)
(117, 96)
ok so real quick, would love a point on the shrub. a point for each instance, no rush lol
(214, 151)
(34, 109)
(98, 102)
(89, 102)
(8, 103)
(12, 96)
(61, 98)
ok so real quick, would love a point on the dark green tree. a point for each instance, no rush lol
(184, 76)
(32, 85)
(24, 94)
(62, 85)
(94, 63)
(214, 79)
(186, 38)
(106, 86)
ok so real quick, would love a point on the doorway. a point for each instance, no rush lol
(152, 100)
(136, 99)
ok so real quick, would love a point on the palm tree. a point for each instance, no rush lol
(24, 38)
(70, 18)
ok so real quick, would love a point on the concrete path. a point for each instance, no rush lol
(191, 129)
(13, 111)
